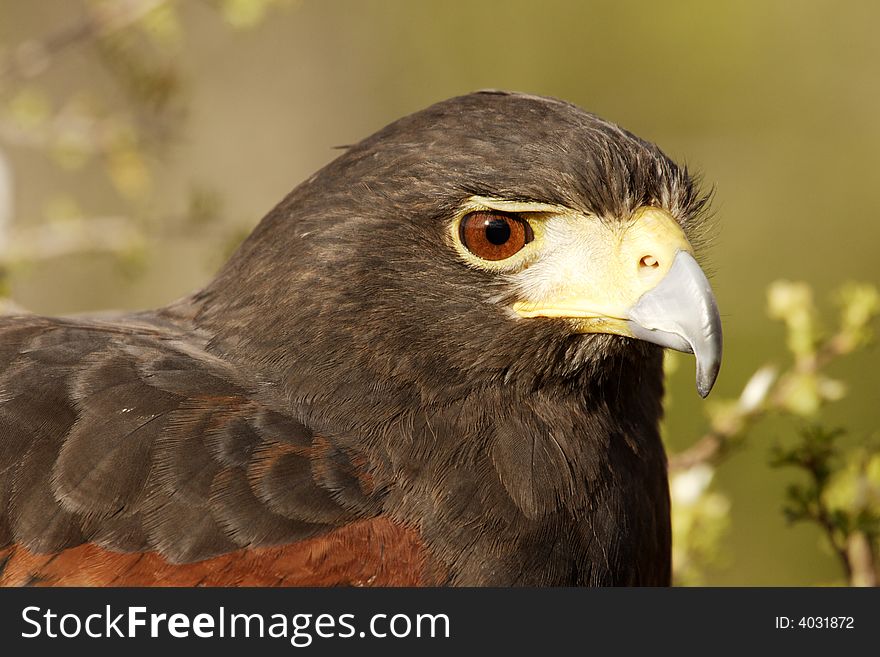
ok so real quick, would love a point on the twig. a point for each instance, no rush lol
(758, 397)
(716, 442)
(823, 519)
(707, 449)
(861, 559)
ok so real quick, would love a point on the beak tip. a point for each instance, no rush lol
(706, 378)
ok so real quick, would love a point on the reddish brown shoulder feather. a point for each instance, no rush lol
(375, 552)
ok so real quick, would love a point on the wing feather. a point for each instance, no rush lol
(129, 439)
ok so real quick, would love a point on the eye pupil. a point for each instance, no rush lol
(497, 231)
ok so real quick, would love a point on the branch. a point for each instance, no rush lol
(861, 560)
(764, 392)
(727, 427)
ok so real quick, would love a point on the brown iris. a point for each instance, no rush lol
(494, 235)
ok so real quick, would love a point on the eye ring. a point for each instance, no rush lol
(493, 235)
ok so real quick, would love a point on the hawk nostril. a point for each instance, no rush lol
(649, 261)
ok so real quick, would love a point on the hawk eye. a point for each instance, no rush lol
(494, 235)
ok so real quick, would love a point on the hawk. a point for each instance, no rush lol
(438, 361)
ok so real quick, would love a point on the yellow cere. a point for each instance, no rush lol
(581, 267)
(597, 270)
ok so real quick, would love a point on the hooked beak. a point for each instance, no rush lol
(641, 281)
(680, 313)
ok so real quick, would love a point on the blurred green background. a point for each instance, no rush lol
(171, 137)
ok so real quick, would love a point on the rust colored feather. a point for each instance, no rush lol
(376, 552)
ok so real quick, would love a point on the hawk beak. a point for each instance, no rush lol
(681, 313)
(641, 281)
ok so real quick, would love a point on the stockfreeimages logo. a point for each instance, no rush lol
(300, 629)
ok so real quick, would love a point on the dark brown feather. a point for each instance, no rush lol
(140, 446)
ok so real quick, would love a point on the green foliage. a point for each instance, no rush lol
(700, 521)
(792, 303)
(839, 488)
(840, 492)
(138, 45)
(817, 454)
